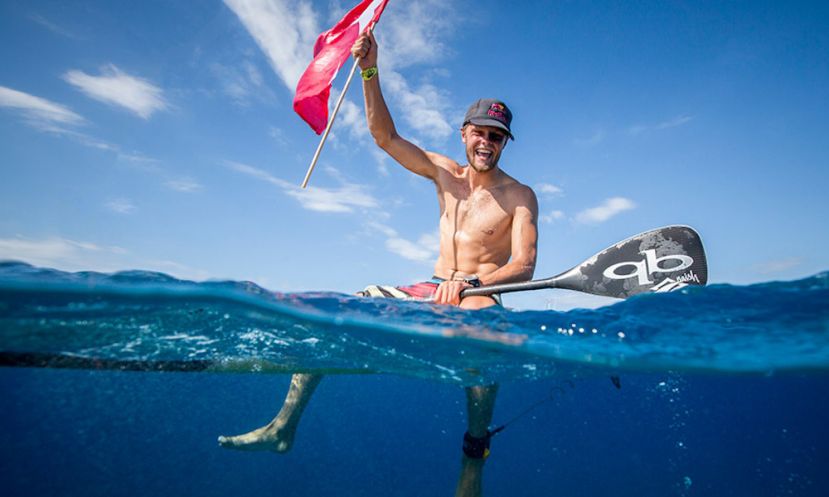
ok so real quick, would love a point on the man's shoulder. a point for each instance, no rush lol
(516, 188)
(443, 161)
(448, 169)
(519, 195)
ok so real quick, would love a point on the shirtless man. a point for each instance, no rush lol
(488, 235)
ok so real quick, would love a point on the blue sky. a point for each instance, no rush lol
(159, 135)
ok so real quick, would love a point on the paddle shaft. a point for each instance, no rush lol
(507, 288)
(568, 280)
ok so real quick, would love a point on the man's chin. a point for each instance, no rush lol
(482, 168)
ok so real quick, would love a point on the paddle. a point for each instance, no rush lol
(659, 260)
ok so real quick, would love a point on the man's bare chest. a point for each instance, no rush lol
(476, 215)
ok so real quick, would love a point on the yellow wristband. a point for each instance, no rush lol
(368, 73)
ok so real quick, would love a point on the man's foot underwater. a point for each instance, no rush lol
(274, 437)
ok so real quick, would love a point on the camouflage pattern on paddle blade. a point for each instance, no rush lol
(660, 260)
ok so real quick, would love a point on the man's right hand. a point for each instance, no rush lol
(365, 49)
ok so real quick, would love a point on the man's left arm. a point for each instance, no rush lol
(524, 243)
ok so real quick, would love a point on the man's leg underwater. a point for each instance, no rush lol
(480, 404)
(278, 435)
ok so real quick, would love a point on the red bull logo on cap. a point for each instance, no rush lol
(496, 110)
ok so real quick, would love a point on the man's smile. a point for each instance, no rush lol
(483, 153)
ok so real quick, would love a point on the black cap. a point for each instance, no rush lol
(489, 112)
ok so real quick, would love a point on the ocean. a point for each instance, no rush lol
(120, 385)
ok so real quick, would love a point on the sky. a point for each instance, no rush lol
(159, 135)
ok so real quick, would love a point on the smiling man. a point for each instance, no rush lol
(488, 235)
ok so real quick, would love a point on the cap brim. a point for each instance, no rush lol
(492, 122)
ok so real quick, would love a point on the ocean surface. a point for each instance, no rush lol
(120, 384)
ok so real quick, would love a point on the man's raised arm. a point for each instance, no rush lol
(380, 123)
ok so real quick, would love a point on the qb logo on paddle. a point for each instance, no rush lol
(643, 270)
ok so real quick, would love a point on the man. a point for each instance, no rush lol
(488, 235)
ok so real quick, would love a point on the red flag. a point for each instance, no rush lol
(330, 52)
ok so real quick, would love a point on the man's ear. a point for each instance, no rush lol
(463, 135)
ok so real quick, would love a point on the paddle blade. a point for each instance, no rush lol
(660, 260)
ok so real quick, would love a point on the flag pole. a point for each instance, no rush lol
(330, 123)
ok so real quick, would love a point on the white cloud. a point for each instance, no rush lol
(425, 249)
(675, 122)
(605, 211)
(778, 266)
(342, 199)
(184, 185)
(388, 231)
(120, 205)
(548, 189)
(233, 83)
(149, 165)
(670, 123)
(424, 109)
(430, 241)
(51, 117)
(637, 129)
(90, 141)
(43, 252)
(404, 42)
(590, 141)
(258, 174)
(351, 117)
(382, 159)
(39, 19)
(242, 84)
(285, 31)
(278, 136)
(38, 111)
(409, 250)
(345, 199)
(552, 217)
(70, 255)
(115, 87)
(140, 161)
(253, 74)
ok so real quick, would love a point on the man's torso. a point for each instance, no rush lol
(475, 225)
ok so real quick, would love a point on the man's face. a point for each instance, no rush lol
(483, 146)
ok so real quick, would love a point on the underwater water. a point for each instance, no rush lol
(119, 385)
